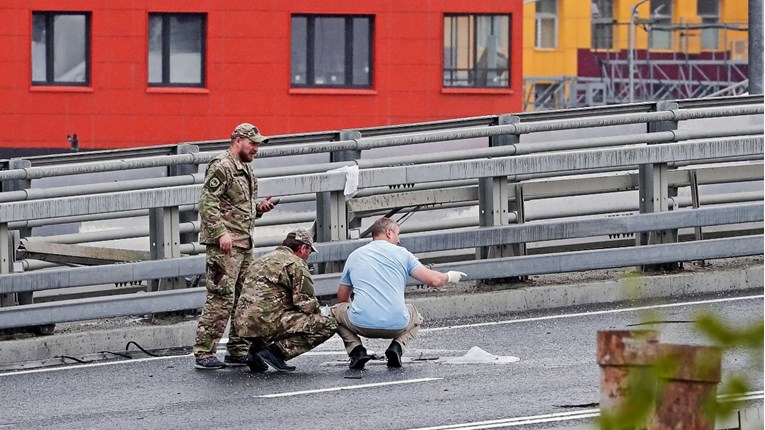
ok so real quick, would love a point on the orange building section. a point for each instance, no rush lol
(247, 73)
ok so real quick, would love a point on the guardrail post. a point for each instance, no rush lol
(20, 184)
(494, 204)
(654, 192)
(690, 377)
(332, 222)
(348, 154)
(625, 358)
(180, 170)
(6, 261)
(698, 233)
(164, 242)
(9, 243)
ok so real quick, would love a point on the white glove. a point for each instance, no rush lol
(454, 277)
(325, 311)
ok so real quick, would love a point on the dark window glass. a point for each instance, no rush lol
(477, 51)
(60, 48)
(602, 24)
(176, 49)
(331, 51)
(709, 11)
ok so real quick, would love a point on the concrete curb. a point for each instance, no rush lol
(47, 351)
(558, 296)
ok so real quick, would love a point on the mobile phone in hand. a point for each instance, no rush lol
(275, 200)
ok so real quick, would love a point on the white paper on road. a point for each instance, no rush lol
(477, 355)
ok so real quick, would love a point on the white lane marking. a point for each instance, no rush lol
(325, 353)
(581, 314)
(563, 416)
(134, 360)
(730, 398)
(347, 387)
(549, 317)
(507, 422)
(80, 366)
(733, 397)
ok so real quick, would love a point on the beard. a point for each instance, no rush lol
(247, 155)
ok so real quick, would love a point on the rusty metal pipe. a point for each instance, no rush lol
(622, 356)
(689, 375)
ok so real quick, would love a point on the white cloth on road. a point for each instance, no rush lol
(477, 355)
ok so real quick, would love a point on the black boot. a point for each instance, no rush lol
(393, 354)
(274, 357)
(253, 360)
(359, 358)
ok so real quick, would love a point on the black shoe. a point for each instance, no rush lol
(393, 354)
(235, 360)
(275, 359)
(359, 358)
(208, 363)
(255, 363)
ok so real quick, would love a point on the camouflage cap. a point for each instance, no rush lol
(249, 131)
(303, 235)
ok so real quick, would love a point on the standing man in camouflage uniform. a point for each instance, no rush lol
(277, 310)
(228, 210)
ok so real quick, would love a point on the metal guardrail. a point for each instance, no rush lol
(417, 243)
(701, 150)
(193, 298)
(500, 179)
(330, 136)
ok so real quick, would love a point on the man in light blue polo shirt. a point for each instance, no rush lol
(376, 274)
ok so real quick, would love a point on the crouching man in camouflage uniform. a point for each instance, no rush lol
(277, 310)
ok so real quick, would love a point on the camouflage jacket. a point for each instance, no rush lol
(228, 201)
(278, 281)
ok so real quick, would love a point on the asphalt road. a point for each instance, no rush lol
(555, 380)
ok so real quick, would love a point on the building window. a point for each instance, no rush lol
(709, 12)
(602, 24)
(661, 33)
(177, 49)
(332, 51)
(60, 48)
(546, 24)
(477, 51)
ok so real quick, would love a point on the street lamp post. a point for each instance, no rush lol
(631, 50)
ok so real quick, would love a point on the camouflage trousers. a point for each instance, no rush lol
(225, 276)
(293, 332)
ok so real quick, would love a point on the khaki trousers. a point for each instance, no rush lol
(350, 333)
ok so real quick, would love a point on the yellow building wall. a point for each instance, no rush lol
(736, 12)
(574, 32)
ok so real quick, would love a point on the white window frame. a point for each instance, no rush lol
(542, 17)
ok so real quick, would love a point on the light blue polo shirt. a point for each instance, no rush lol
(377, 272)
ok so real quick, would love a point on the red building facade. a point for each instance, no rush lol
(146, 72)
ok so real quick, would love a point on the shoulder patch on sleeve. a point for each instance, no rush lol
(216, 180)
